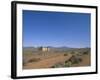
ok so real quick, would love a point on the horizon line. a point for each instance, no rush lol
(55, 46)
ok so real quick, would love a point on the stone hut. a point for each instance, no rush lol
(43, 49)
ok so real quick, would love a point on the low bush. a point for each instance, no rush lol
(75, 59)
(68, 64)
(65, 54)
(85, 53)
(34, 60)
(57, 65)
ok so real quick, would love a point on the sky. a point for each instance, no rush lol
(46, 28)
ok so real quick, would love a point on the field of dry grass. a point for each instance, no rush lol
(56, 59)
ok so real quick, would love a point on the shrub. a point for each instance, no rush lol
(85, 53)
(52, 67)
(80, 59)
(57, 65)
(34, 60)
(68, 64)
(66, 61)
(75, 59)
(65, 54)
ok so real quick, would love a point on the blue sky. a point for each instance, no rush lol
(44, 28)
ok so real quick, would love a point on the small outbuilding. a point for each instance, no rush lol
(43, 49)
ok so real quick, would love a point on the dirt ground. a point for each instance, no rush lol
(49, 59)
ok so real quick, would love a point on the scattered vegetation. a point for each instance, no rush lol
(76, 58)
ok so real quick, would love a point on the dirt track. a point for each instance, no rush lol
(48, 62)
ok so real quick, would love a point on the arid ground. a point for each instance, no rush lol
(34, 59)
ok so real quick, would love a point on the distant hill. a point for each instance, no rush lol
(63, 48)
(59, 48)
